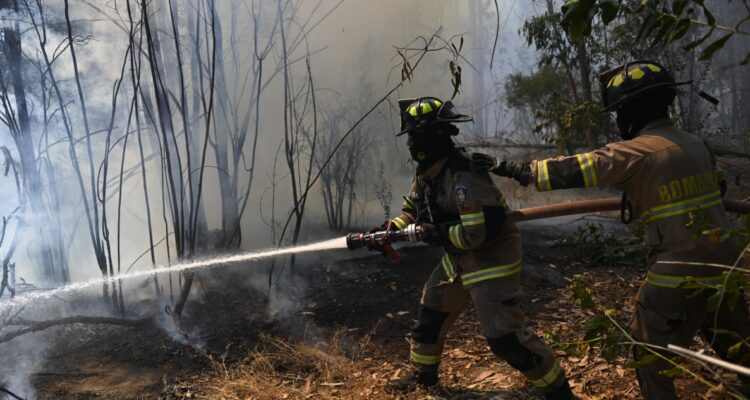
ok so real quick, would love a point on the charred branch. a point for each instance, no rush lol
(28, 326)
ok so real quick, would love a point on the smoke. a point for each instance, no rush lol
(344, 50)
(24, 358)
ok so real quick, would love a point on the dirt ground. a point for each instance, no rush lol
(343, 335)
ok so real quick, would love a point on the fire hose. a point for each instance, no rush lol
(415, 232)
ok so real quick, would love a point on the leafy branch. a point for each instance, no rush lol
(440, 45)
(603, 329)
(662, 21)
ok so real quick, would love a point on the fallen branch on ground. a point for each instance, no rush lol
(36, 326)
(11, 394)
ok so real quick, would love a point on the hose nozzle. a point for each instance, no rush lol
(412, 233)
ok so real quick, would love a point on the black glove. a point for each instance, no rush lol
(436, 235)
(375, 246)
(483, 162)
(518, 171)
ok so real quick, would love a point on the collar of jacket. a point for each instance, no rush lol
(655, 124)
(434, 169)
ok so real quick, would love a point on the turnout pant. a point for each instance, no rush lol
(671, 315)
(503, 324)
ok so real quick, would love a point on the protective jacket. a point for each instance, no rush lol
(481, 263)
(471, 210)
(670, 179)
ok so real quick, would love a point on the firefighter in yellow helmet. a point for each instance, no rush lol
(669, 179)
(463, 211)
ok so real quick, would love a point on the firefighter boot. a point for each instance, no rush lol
(563, 392)
(413, 379)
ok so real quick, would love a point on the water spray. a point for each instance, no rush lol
(27, 298)
(371, 240)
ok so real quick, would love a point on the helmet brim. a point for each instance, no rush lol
(459, 119)
(614, 106)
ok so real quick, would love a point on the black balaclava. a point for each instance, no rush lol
(639, 112)
(431, 144)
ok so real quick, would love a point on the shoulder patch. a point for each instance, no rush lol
(462, 196)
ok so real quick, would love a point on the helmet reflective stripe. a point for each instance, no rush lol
(422, 112)
(632, 80)
(616, 81)
(426, 106)
(636, 73)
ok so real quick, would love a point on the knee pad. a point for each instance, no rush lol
(429, 324)
(510, 349)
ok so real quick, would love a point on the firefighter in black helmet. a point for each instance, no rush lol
(463, 211)
(670, 181)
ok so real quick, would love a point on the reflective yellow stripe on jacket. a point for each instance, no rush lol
(408, 204)
(543, 183)
(450, 270)
(454, 234)
(501, 271)
(681, 207)
(423, 359)
(472, 219)
(400, 222)
(549, 378)
(683, 282)
(588, 169)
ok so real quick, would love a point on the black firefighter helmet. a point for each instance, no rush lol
(628, 82)
(425, 111)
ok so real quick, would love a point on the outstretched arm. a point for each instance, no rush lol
(610, 165)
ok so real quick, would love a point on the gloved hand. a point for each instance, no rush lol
(375, 246)
(436, 235)
(518, 171)
(483, 162)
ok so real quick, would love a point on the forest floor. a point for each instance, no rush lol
(343, 335)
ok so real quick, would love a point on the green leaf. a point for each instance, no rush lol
(699, 41)
(609, 10)
(666, 22)
(577, 16)
(650, 23)
(611, 347)
(734, 350)
(709, 51)
(709, 17)
(582, 293)
(678, 6)
(643, 361)
(715, 300)
(597, 324)
(727, 332)
(672, 372)
(679, 30)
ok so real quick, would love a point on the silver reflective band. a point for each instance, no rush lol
(411, 233)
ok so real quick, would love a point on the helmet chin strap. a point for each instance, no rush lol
(427, 149)
(634, 116)
(627, 129)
